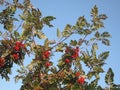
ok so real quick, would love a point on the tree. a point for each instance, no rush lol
(42, 73)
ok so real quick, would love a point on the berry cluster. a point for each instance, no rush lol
(73, 54)
(80, 79)
(46, 55)
(17, 48)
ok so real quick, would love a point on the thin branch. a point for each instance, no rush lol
(19, 26)
(62, 40)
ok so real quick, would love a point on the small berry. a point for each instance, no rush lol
(16, 56)
(47, 64)
(77, 74)
(2, 62)
(81, 80)
(46, 54)
(67, 60)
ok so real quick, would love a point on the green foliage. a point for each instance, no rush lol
(41, 73)
(109, 77)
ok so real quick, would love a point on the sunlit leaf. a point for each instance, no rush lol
(106, 42)
(105, 34)
(103, 55)
(109, 78)
(94, 11)
(73, 42)
(58, 33)
(97, 34)
(87, 31)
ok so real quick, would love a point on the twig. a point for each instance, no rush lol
(19, 26)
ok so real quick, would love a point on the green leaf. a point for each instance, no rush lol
(41, 35)
(102, 16)
(90, 75)
(66, 33)
(16, 34)
(109, 78)
(94, 11)
(105, 35)
(106, 42)
(68, 27)
(103, 55)
(58, 33)
(97, 34)
(46, 20)
(94, 48)
(86, 57)
(87, 31)
(73, 42)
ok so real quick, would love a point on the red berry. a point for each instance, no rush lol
(16, 56)
(47, 64)
(77, 74)
(67, 50)
(18, 43)
(67, 60)
(17, 48)
(81, 80)
(2, 62)
(46, 54)
(75, 55)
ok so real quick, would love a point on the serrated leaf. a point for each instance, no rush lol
(106, 42)
(94, 11)
(103, 55)
(109, 77)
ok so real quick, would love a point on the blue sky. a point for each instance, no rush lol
(67, 11)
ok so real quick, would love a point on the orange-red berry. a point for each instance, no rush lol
(46, 54)
(16, 56)
(2, 62)
(47, 64)
(67, 60)
(81, 80)
(77, 74)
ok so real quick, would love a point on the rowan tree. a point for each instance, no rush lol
(23, 27)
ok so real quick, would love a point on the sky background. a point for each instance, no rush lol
(67, 12)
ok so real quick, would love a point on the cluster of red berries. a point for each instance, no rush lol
(74, 53)
(80, 79)
(18, 46)
(2, 62)
(46, 55)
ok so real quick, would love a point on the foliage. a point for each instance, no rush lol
(41, 73)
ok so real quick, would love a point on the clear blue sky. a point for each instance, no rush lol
(67, 11)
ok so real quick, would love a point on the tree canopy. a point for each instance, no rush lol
(23, 26)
